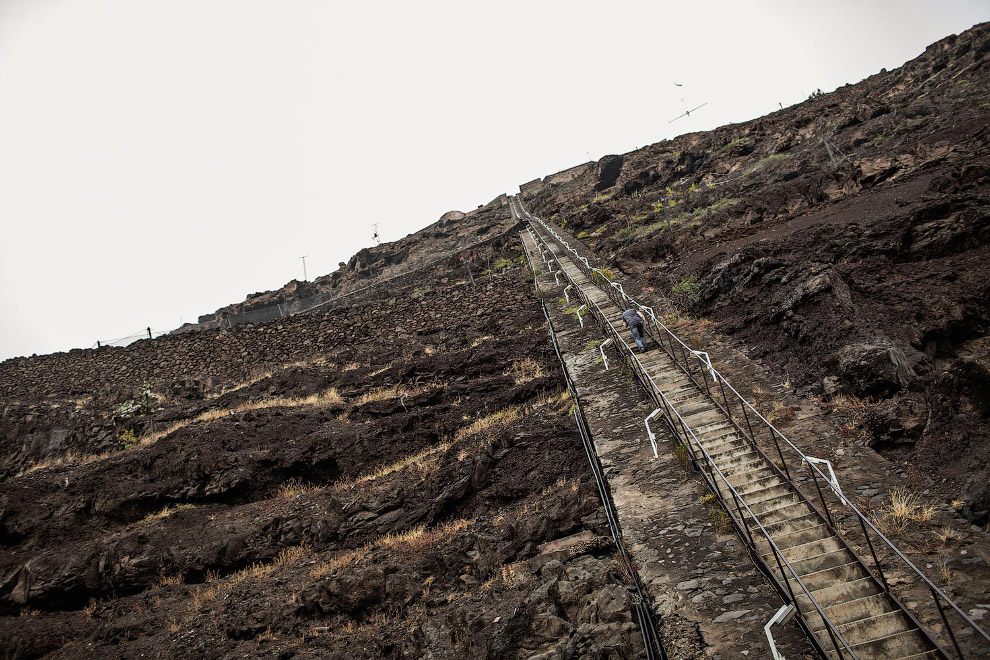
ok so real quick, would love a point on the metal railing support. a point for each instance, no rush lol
(783, 615)
(651, 434)
(684, 433)
(601, 347)
(578, 312)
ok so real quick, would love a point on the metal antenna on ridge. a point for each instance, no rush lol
(375, 236)
(687, 113)
(305, 279)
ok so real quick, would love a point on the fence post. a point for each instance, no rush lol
(468, 266)
(97, 343)
(149, 333)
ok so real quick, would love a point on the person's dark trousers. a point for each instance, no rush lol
(638, 335)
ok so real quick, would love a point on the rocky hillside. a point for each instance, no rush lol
(400, 478)
(862, 275)
(373, 266)
(398, 475)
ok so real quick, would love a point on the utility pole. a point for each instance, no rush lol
(304, 268)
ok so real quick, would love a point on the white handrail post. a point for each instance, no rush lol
(567, 298)
(651, 434)
(556, 278)
(578, 312)
(601, 347)
(783, 615)
(833, 481)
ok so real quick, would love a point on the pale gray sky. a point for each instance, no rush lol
(160, 159)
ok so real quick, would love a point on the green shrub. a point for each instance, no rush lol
(686, 291)
(736, 143)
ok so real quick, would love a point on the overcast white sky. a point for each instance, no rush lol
(161, 159)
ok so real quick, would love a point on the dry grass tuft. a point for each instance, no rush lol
(168, 580)
(524, 371)
(70, 458)
(417, 538)
(294, 488)
(481, 340)
(327, 567)
(351, 366)
(423, 461)
(903, 509)
(945, 535)
(780, 414)
(489, 423)
(166, 512)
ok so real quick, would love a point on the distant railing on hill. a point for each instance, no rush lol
(147, 333)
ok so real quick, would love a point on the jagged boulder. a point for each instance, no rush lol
(609, 168)
(870, 369)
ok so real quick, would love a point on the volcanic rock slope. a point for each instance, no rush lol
(397, 478)
(862, 281)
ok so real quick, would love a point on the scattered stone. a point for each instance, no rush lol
(729, 616)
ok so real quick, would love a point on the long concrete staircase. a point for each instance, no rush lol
(841, 604)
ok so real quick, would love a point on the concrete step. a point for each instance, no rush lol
(877, 627)
(902, 644)
(685, 394)
(721, 435)
(759, 484)
(833, 577)
(793, 539)
(803, 552)
(704, 430)
(731, 464)
(852, 610)
(793, 524)
(785, 512)
(927, 655)
(842, 592)
(691, 409)
(761, 508)
(702, 418)
(728, 447)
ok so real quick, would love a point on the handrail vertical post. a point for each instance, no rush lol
(776, 444)
(752, 436)
(876, 561)
(948, 628)
(821, 497)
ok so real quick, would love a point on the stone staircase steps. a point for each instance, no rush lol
(870, 622)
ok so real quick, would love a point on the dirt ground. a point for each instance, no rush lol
(411, 494)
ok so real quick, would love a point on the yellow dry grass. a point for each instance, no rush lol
(481, 340)
(416, 538)
(257, 378)
(524, 371)
(165, 512)
(71, 457)
(294, 488)
(423, 461)
(321, 399)
(903, 509)
(490, 422)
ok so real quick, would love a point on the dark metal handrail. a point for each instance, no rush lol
(681, 353)
(642, 604)
(784, 589)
